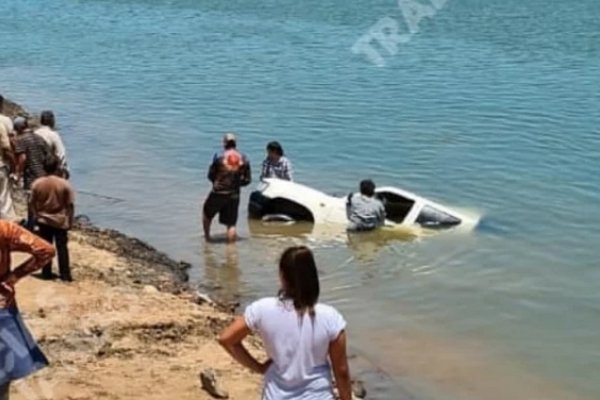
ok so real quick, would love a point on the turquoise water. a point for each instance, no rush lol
(492, 106)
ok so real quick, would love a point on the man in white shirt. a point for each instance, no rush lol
(52, 138)
(4, 120)
(7, 210)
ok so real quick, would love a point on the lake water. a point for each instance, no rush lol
(492, 106)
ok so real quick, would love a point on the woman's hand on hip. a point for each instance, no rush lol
(7, 295)
(264, 367)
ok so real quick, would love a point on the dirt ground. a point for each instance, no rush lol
(125, 329)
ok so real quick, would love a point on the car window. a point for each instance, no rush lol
(431, 217)
(396, 207)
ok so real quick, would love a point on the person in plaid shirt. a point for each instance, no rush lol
(276, 165)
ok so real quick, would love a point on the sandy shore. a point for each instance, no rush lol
(126, 329)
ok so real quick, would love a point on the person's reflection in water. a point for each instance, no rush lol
(222, 272)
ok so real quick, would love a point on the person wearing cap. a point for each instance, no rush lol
(228, 172)
(276, 165)
(365, 212)
(47, 131)
(4, 119)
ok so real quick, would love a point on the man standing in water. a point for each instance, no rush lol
(365, 212)
(229, 171)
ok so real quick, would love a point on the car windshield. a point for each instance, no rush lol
(433, 218)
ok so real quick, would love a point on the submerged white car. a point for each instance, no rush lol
(276, 199)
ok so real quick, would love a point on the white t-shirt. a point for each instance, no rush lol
(298, 346)
(4, 144)
(52, 138)
(8, 123)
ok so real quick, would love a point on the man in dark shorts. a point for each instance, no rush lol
(229, 171)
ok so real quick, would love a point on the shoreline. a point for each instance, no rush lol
(99, 331)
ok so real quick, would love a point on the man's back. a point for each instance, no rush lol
(36, 151)
(229, 171)
(365, 212)
(4, 146)
(7, 122)
(52, 201)
(52, 139)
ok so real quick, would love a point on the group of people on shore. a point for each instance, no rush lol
(230, 170)
(33, 161)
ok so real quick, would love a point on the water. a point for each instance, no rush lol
(493, 106)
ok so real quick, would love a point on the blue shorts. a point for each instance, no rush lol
(19, 354)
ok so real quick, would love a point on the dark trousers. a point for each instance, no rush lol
(60, 237)
(4, 389)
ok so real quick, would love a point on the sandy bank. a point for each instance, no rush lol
(126, 329)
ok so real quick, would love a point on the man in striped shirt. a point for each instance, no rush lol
(31, 152)
(276, 165)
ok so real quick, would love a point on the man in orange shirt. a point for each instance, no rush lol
(19, 354)
(52, 206)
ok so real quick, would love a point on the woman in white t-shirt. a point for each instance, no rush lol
(301, 336)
